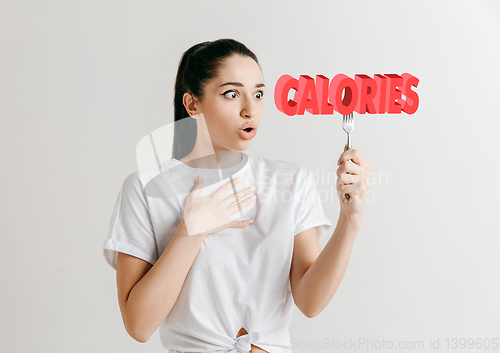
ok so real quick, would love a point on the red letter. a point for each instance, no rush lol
(367, 88)
(307, 89)
(283, 86)
(322, 92)
(410, 104)
(393, 102)
(339, 83)
(381, 93)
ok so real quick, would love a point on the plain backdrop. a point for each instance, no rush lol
(81, 82)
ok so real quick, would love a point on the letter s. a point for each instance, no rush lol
(411, 102)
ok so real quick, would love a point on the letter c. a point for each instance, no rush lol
(283, 86)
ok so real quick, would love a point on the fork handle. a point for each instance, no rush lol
(347, 147)
(348, 144)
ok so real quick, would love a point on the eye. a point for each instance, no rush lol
(261, 94)
(232, 94)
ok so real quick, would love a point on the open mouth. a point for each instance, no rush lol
(247, 133)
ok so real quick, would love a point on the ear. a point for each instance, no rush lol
(190, 104)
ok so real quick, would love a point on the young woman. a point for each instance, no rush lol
(209, 282)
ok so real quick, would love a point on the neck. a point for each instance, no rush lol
(211, 158)
(208, 155)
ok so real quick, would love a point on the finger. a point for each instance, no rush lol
(225, 188)
(236, 207)
(237, 196)
(231, 224)
(239, 224)
(349, 167)
(341, 186)
(347, 179)
(197, 188)
(349, 188)
(354, 155)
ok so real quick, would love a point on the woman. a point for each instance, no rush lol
(184, 265)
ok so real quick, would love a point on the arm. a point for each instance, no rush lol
(147, 293)
(315, 275)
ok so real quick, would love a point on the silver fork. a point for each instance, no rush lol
(348, 126)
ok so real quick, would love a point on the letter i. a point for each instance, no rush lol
(380, 97)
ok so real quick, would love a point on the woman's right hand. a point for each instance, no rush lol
(205, 215)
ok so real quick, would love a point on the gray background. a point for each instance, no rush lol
(82, 82)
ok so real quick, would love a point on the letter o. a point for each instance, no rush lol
(338, 84)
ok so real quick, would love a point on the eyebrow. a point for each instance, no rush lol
(239, 84)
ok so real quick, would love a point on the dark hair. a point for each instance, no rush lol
(198, 65)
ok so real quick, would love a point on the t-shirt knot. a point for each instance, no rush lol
(243, 343)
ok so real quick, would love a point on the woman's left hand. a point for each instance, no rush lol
(355, 183)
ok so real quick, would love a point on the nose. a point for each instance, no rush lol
(248, 109)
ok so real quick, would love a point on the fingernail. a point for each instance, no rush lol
(236, 180)
(250, 221)
(198, 179)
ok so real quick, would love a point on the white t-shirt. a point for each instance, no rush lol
(240, 277)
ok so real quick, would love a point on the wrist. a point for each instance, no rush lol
(355, 220)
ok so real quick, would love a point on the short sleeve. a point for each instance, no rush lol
(309, 208)
(130, 229)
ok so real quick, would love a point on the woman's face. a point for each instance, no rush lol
(233, 100)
